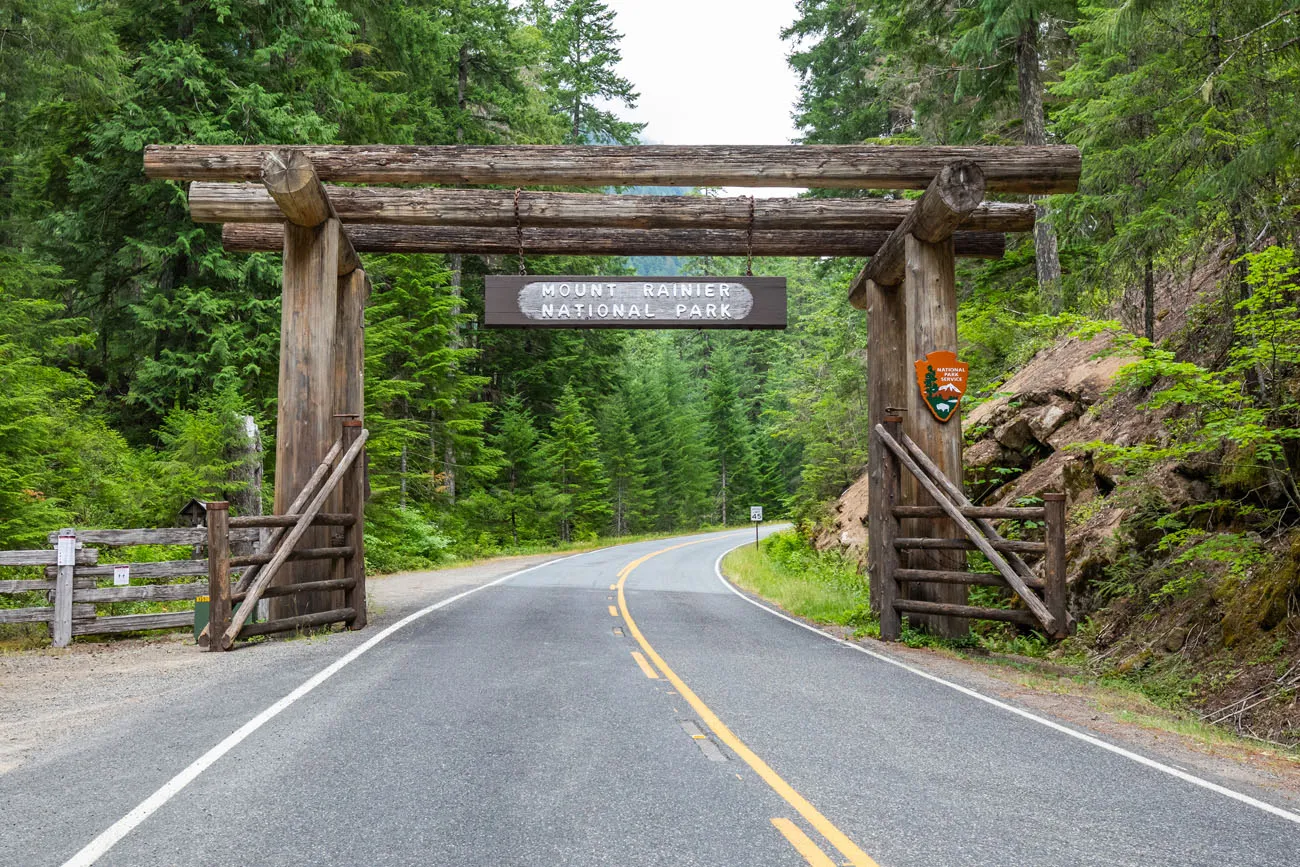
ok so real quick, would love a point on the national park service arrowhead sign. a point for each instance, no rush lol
(633, 302)
(942, 379)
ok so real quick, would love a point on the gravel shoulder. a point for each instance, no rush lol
(51, 696)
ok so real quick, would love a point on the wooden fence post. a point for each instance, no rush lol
(354, 504)
(66, 560)
(891, 627)
(218, 572)
(1054, 593)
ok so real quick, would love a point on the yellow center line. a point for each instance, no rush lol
(803, 844)
(823, 826)
(645, 666)
(613, 612)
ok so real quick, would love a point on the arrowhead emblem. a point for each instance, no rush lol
(942, 379)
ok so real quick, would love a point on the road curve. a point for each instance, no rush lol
(620, 707)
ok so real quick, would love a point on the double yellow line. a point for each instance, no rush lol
(837, 838)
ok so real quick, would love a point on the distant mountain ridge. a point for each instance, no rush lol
(658, 266)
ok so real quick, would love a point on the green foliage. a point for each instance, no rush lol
(1244, 413)
(580, 70)
(575, 492)
(822, 586)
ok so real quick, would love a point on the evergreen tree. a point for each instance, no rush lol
(572, 464)
(419, 397)
(623, 464)
(730, 436)
(581, 71)
(509, 500)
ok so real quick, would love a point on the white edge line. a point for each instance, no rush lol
(1055, 726)
(98, 847)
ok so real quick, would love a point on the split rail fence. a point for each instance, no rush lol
(73, 571)
(1047, 611)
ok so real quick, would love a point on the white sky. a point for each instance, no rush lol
(709, 71)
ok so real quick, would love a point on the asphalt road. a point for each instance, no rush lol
(588, 713)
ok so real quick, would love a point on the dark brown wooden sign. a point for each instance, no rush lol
(547, 301)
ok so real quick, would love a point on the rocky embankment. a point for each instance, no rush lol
(1180, 584)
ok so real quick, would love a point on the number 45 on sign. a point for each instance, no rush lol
(756, 515)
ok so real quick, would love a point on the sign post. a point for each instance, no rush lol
(756, 515)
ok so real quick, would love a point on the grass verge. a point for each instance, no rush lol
(821, 586)
(828, 589)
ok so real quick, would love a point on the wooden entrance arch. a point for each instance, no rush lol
(274, 198)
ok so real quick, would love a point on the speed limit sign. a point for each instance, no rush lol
(755, 513)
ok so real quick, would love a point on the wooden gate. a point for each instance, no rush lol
(899, 452)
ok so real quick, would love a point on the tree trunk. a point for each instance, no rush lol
(401, 502)
(1149, 301)
(724, 492)
(462, 87)
(1029, 77)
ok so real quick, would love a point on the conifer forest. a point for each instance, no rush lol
(133, 349)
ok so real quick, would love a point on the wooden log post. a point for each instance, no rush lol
(916, 264)
(886, 393)
(891, 626)
(953, 195)
(66, 562)
(1054, 591)
(218, 571)
(354, 502)
(308, 318)
(930, 291)
(349, 388)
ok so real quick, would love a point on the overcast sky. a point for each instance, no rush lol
(709, 71)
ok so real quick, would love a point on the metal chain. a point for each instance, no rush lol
(749, 241)
(519, 233)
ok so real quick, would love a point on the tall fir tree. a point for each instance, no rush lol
(730, 435)
(582, 72)
(623, 464)
(570, 455)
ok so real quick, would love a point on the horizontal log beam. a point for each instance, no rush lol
(389, 206)
(941, 576)
(298, 195)
(294, 556)
(326, 519)
(306, 587)
(1002, 546)
(971, 612)
(26, 615)
(26, 585)
(1038, 170)
(302, 621)
(267, 237)
(142, 592)
(132, 623)
(953, 194)
(151, 536)
(995, 513)
(85, 556)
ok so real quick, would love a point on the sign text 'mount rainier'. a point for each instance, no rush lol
(546, 301)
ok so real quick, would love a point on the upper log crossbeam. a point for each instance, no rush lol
(390, 206)
(1037, 170)
(255, 237)
(297, 195)
(954, 193)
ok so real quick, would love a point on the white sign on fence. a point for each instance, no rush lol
(755, 513)
(67, 550)
(121, 576)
